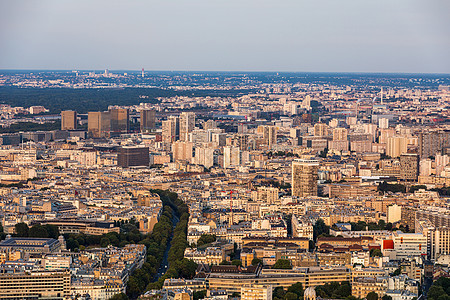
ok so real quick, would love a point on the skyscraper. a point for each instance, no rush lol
(119, 121)
(170, 130)
(304, 177)
(147, 120)
(99, 124)
(68, 120)
(187, 124)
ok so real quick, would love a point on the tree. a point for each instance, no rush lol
(21, 229)
(372, 296)
(375, 252)
(256, 261)
(236, 262)
(282, 264)
(386, 297)
(52, 230)
(320, 228)
(279, 293)
(296, 288)
(120, 296)
(206, 239)
(38, 231)
(291, 296)
(199, 294)
(398, 271)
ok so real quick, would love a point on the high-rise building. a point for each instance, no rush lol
(269, 134)
(170, 130)
(210, 124)
(339, 134)
(187, 124)
(133, 157)
(396, 146)
(320, 129)
(68, 120)
(231, 157)
(383, 123)
(182, 151)
(304, 177)
(147, 120)
(99, 124)
(119, 121)
(204, 156)
(438, 242)
(409, 166)
(433, 142)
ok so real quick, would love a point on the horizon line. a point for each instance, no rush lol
(229, 71)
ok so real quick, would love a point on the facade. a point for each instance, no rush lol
(256, 292)
(119, 121)
(68, 120)
(170, 130)
(147, 120)
(187, 124)
(439, 242)
(409, 166)
(133, 157)
(30, 245)
(35, 285)
(304, 177)
(99, 124)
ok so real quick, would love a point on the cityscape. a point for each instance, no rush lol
(224, 150)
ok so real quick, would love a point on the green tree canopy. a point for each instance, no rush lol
(282, 264)
(21, 229)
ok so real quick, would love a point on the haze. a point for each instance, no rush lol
(234, 35)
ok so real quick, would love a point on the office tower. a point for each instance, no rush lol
(170, 130)
(409, 166)
(320, 129)
(99, 124)
(119, 121)
(133, 157)
(432, 143)
(147, 121)
(182, 151)
(396, 146)
(304, 177)
(187, 124)
(68, 120)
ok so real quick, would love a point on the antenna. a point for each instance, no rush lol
(142, 72)
(381, 95)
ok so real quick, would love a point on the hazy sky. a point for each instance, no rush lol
(227, 35)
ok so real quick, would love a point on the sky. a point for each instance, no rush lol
(386, 36)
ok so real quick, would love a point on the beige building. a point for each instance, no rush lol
(99, 124)
(256, 292)
(304, 177)
(187, 124)
(68, 120)
(35, 285)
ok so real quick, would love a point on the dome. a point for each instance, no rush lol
(310, 293)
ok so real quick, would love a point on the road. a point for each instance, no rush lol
(165, 264)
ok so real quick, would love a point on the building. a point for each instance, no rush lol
(170, 130)
(147, 120)
(304, 177)
(433, 142)
(128, 156)
(409, 167)
(409, 244)
(99, 124)
(68, 120)
(187, 124)
(256, 292)
(438, 242)
(31, 245)
(182, 151)
(396, 146)
(120, 123)
(34, 285)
